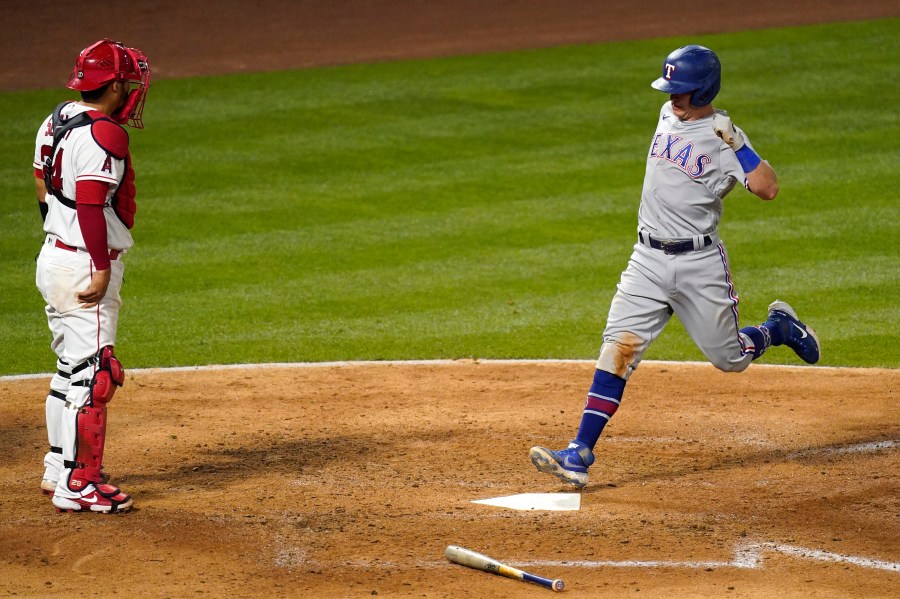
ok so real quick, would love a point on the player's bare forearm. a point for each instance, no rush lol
(763, 182)
(95, 292)
(40, 189)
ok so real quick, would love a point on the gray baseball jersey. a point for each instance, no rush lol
(689, 171)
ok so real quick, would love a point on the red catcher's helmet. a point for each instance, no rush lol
(106, 61)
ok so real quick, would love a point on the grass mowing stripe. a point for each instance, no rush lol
(474, 206)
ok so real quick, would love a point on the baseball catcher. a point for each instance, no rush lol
(86, 194)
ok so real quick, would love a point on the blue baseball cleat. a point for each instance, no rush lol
(570, 465)
(797, 336)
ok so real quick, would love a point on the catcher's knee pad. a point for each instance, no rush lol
(109, 374)
(621, 355)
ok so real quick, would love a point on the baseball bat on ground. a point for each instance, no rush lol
(473, 559)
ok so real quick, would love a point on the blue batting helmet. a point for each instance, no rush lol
(691, 69)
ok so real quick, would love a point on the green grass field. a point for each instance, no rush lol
(477, 206)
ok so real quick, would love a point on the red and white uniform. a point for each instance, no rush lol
(81, 161)
(91, 154)
(64, 265)
(81, 158)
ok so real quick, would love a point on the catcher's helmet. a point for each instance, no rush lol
(691, 69)
(106, 61)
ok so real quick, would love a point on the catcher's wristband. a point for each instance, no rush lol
(748, 158)
(44, 210)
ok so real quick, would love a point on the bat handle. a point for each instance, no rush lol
(554, 585)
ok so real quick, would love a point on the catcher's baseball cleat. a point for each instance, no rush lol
(797, 336)
(570, 465)
(105, 499)
(48, 486)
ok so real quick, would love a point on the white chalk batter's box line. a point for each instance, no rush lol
(461, 361)
(746, 557)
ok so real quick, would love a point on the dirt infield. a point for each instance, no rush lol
(349, 481)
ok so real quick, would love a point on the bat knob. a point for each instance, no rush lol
(558, 585)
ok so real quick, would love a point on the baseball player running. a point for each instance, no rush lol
(85, 189)
(679, 264)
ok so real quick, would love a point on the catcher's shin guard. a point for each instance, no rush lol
(90, 418)
(91, 434)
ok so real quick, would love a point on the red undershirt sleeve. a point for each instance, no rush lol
(90, 196)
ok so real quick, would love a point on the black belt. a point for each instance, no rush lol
(672, 247)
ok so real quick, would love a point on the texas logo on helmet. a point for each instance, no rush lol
(691, 69)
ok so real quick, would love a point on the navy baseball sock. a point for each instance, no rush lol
(602, 402)
(760, 337)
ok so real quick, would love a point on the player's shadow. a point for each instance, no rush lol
(352, 460)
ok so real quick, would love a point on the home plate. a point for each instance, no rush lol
(536, 501)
